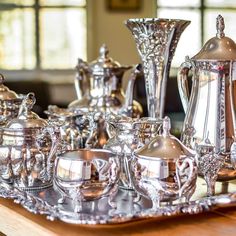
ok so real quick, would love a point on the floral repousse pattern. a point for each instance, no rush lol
(156, 41)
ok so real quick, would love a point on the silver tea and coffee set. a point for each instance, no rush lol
(85, 161)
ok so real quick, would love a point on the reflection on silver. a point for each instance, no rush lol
(99, 86)
(75, 126)
(9, 103)
(99, 212)
(164, 169)
(86, 175)
(210, 109)
(126, 135)
(209, 164)
(156, 41)
(27, 148)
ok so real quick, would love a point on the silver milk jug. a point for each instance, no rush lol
(210, 108)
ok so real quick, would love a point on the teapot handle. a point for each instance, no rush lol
(189, 185)
(127, 109)
(80, 81)
(182, 81)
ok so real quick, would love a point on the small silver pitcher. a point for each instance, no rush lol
(126, 135)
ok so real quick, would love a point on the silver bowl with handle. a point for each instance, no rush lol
(86, 175)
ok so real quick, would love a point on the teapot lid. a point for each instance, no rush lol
(104, 62)
(27, 118)
(5, 92)
(219, 47)
(164, 146)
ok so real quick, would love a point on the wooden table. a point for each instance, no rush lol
(15, 220)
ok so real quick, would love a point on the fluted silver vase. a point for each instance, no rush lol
(156, 40)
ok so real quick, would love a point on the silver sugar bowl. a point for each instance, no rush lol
(9, 103)
(164, 169)
(86, 175)
(27, 148)
(126, 135)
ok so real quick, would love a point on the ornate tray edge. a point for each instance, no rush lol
(37, 205)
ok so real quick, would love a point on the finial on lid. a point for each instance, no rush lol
(220, 26)
(166, 126)
(103, 51)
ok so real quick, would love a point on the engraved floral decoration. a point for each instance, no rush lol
(156, 41)
(209, 164)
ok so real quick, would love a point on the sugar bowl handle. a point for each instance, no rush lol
(186, 165)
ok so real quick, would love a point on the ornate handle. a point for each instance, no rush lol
(189, 184)
(182, 81)
(127, 109)
(81, 84)
(55, 139)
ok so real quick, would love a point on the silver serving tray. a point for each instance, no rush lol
(99, 212)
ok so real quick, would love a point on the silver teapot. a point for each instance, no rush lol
(9, 103)
(99, 86)
(86, 175)
(125, 136)
(210, 109)
(164, 169)
(27, 148)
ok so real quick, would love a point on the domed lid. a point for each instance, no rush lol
(164, 146)
(27, 118)
(5, 92)
(219, 47)
(106, 63)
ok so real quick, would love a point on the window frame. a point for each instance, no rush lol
(202, 9)
(38, 72)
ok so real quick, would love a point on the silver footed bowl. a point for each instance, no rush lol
(86, 175)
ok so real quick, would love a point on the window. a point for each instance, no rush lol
(202, 14)
(42, 34)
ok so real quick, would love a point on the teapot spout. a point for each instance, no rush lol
(127, 109)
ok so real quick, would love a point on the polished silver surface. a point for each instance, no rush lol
(209, 164)
(164, 169)
(99, 86)
(126, 135)
(87, 174)
(75, 125)
(210, 109)
(45, 202)
(27, 148)
(9, 103)
(156, 41)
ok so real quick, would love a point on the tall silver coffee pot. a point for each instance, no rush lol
(210, 109)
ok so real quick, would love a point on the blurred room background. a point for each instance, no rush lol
(40, 40)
